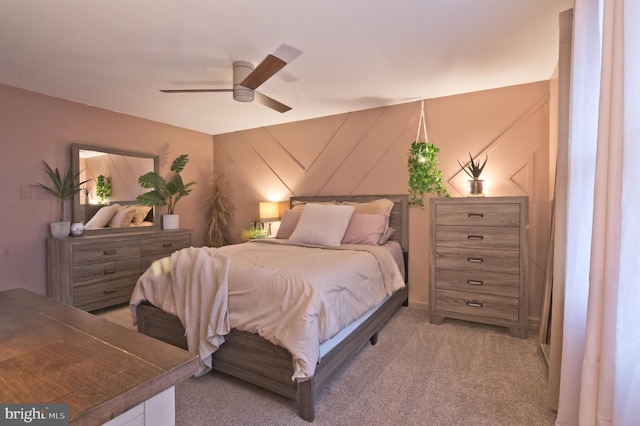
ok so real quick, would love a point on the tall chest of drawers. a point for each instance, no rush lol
(97, 271)
(478, 265)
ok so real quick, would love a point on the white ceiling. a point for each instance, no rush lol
(353, 54)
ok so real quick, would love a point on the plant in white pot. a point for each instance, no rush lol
(63, 187)
(166, 192)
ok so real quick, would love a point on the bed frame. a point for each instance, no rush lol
(253, 359)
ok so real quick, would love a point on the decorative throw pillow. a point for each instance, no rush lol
(365, 229)
(386, 235)
(102, 217)
(122, 218)
(299, 205)
(288, 223)
(322, 224)
(379, 206)
(140, 212)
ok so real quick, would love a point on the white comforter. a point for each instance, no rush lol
(295, 297)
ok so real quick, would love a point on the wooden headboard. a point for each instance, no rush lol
(399, 219)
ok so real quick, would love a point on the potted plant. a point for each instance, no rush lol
(103, 188)
(219, 210)
(473, 169)
(253, 230)
(424, 174)
(166, 192)
(87, 194)
(63, 187)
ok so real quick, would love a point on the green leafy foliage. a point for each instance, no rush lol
(64, 186)
(473, 169)
(424, 174)
(165, 192)
(252, 231)
(103, 188)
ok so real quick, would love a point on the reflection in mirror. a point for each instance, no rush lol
(122, 168)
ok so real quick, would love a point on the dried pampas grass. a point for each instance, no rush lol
(219, 211)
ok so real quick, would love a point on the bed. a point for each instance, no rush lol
(254, 359)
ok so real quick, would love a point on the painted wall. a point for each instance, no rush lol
(365, 152)
(34, 128)
(362, 152)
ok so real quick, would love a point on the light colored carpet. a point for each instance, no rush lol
(457, 373)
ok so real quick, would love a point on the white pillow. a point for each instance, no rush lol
(102, 217)
(322, 225)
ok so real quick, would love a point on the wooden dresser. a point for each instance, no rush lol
(478, 265)
(99, 270)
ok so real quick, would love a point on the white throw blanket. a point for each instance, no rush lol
(193, 285)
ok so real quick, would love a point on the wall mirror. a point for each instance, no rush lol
(122, 168)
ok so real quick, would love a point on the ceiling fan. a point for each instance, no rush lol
(246, 79)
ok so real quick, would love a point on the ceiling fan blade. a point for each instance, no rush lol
(267, 68)
(271, 103)
(195, 90)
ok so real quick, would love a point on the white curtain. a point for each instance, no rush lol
(600, 371)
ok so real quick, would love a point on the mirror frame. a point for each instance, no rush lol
(75, 167)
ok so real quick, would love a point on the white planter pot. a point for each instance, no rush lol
(60, 229)
(170, 221)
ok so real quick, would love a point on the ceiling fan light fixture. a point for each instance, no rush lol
(246, 80)
(241, 69)
(242, 94)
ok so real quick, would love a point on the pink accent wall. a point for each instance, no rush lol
(365, 152)
(34, 128)
(362, 152)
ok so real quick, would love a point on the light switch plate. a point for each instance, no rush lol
(26, 192)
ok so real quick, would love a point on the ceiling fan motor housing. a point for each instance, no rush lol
(241, 69)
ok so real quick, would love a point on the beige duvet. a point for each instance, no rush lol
(295, 297)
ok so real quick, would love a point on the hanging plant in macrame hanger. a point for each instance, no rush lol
(424, 175)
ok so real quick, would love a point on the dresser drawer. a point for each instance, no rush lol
(493, 283)
(106, 271)
(165, 245)
(95, 271)
(478, 305)
(478, 237)
(478, 214)
(99, 295)
(505, 261)
(105, 251)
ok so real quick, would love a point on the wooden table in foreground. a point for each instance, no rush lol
(53, 353)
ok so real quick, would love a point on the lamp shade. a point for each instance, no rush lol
(269, 211)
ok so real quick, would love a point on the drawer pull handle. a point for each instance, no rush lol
(110, 251)
(475, 237)
(475, 259)
(475, 215)
(475, 282)
(109, 271)
(474, 304)
(167, 245)
(109, 290)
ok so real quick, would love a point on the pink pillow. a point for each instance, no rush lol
(288, 223)
(365, 229)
